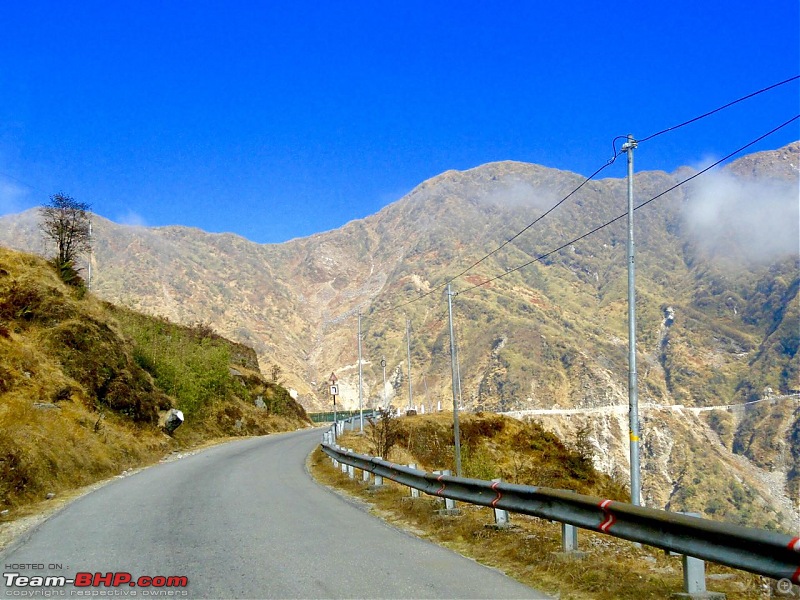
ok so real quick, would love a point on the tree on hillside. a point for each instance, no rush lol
(67, 223)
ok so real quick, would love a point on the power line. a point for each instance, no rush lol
(586, 180)
(28, 185)
(716, 110)
(606, 224)
(610, 162)
(539, 218)
(574, 191)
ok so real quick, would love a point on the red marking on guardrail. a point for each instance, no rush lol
(610, 519)
(439, 479)
(499, 495)
(795, 545)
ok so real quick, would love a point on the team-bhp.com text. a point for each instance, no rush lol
(96, 582)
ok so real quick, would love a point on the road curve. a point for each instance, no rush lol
(240, 520)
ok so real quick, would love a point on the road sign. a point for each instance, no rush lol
(334, 390)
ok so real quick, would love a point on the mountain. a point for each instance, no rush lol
(717, 309)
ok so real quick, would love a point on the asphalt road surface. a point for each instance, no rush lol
(240, 520)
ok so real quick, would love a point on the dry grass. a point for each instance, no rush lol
(529, 551)
(76, 405)
(49, 450)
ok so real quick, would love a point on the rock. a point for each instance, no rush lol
(260, 402)
(50, 496)
(44, 405)
(173, 420)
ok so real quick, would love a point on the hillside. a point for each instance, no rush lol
(717, 311)
(83, 385)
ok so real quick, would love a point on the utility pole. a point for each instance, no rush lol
(456, 432)
(408, 351)
(633, 400)
(383, 364)
(360, 377)
(89, 276)
(334, 390)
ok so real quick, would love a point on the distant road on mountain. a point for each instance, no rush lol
(245, 520)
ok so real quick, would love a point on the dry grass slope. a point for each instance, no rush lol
(79, 402)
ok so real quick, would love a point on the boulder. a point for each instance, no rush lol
(173, 420)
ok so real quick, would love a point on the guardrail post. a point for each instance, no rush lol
(694, 576)
(569, 542)
(365, 476)
(501, 518)
(351, 470)
(449, 503)
(449, 509)
(333, 460)
(378, 478)
(414, 491)
(694, 580)
(569, 538)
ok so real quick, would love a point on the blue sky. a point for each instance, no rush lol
(280, 120)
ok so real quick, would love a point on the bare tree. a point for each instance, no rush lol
(383, 432)
(66, 222)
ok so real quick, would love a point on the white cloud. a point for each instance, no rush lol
(517, 193)
(132, 219)
(386, 198)
(12, 197)
(759, 220)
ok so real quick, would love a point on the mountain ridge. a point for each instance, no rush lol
(715, 319)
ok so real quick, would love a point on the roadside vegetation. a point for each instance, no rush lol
(84, 386)
(530, 550)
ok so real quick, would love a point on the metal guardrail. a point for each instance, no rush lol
(767, 553)
(327, 417)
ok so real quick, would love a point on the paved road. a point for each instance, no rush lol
(243, 520)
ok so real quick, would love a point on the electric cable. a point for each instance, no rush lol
(586, 180)
(592, 176)
(716, 110)
(614, 220)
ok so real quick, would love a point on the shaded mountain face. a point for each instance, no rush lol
(717, 282)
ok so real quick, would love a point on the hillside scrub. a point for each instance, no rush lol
(495, 446)
(82, 389)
